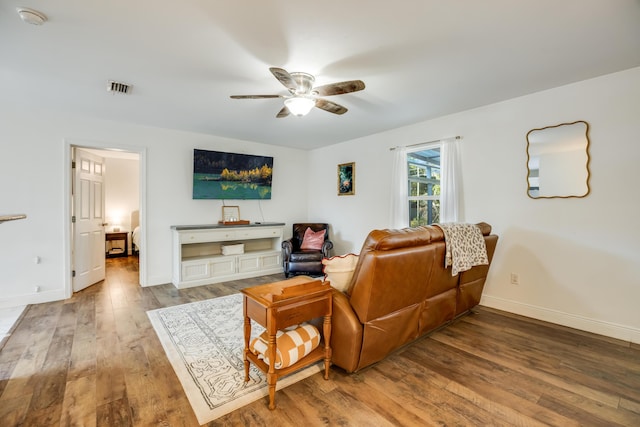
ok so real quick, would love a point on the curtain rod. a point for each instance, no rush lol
(422, 143)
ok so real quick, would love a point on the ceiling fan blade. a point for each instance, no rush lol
(330, 106)
(283, 113)
(285, 78)
(339, 88)
(254, 96)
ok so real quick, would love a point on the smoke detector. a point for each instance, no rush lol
(31, 16)
(118, 87)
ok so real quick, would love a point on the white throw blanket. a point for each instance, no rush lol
(464, 245)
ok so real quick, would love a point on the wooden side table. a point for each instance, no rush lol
(117, 236)
(279, 305)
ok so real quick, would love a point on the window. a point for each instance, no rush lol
(424, 186)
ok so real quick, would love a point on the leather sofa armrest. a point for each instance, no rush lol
(287, 248)
(346, 333)
(326, 248)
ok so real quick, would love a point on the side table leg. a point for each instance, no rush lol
(247, 336)
(272, 377)
(326, 329)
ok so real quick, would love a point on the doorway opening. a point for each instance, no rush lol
(118, 215)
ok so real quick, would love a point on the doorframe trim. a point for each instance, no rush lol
(70, 143)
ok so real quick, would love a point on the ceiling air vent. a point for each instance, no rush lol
(117, 87)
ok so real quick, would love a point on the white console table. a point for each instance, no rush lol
(198, 258)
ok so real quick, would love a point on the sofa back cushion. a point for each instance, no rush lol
(393, 272)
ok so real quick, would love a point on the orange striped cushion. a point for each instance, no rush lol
(292, 344)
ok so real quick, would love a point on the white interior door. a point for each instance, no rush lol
(88, 229)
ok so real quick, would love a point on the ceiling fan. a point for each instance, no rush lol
(303, 96)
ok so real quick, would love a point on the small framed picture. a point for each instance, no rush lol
(347, 179)
(231, 213)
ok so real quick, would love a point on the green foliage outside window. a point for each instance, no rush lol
(424, 187)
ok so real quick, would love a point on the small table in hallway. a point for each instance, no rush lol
(113, 237)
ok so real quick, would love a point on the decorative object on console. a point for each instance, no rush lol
(338, 270)
(297, 260)
(229, 176)
(558, 161)
(347, 179)
(231, 216)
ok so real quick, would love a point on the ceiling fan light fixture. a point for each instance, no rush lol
(299, 105)
(303, 96)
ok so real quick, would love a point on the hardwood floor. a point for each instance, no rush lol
(94, 360)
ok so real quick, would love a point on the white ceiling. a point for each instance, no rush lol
(419, 59)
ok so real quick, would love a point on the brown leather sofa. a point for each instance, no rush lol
(399, 292)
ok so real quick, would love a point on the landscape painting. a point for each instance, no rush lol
(231, 176)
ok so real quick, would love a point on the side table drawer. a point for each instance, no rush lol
(258, 233)
(293, 315)
(207, 236)
(256, 311)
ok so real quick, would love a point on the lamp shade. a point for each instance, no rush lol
(299, 106)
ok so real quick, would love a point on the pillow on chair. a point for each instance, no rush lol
(338, 270)
(292, 344)
(312, 239)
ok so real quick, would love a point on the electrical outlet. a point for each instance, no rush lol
(515, 280)
(36, 289)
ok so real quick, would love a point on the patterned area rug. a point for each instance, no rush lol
(204, 343)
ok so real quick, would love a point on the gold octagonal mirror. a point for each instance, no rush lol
(558, 161)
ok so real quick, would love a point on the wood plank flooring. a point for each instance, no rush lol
(94, 360)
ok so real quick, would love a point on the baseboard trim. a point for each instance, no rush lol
(608, 329)
(34, 298)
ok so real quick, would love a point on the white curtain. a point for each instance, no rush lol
(451, 181)
(399, 213)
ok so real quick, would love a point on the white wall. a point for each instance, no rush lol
(577, 259)
(33, 176)
(122, 192)
(122, 195)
